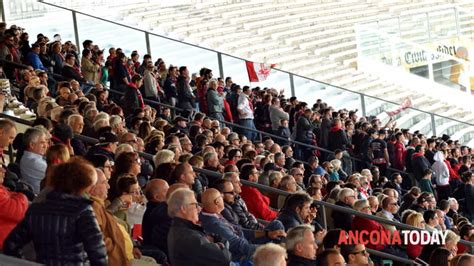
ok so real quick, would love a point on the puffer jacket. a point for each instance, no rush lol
(64, 231)
(246, 219)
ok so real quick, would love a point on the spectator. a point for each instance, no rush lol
(346, 198)
(187, 243)
(32, 164)
(270, 255)
(355, 254)
(389, 209)
(419, 162)
(296, 210)
(301, 246)
(330, 257)
(57, 236)
(133, 98)
(257, 203)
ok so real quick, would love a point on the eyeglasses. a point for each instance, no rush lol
(363, 252)
(195, 204)
(228, 192)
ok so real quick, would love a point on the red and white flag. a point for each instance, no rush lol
(258, 71)
(405, 104)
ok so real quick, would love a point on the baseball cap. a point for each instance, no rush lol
(108, 137)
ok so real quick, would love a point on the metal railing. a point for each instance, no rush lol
(362, 102)
(265, 188)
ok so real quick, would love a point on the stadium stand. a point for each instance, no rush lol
(186, 143)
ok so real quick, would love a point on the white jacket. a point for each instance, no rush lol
(440, 169)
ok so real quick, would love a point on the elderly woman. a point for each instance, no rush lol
(62, 237)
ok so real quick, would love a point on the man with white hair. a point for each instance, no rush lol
(346, 198)
(269, 255)
(32, 164)
(453, 207)
(187, 242)
(301, 245)
(76, 122)
(117, 124)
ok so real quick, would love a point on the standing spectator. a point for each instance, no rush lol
(133, 98)
(245, 110)
(61, 238)
(70, 71)
(186, 98)
(276, 114)
(32, 164)
(304, 134)
(419, 162)
(150, 82)
(89, 68)
(441, 173)
(378, 153)
(215, 101)
(169, 87)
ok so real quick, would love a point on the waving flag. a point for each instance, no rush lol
(405, 104)
(258, 71)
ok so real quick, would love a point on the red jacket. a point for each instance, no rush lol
(363, 224)
(452, 174)
(257, 203)
(399, 156)
(13, 207)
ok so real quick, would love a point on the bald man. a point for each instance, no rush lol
(155, 192)
(239, 239)
(156, 223)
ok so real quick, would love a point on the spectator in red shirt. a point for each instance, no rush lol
(399, 152)
(257, 203)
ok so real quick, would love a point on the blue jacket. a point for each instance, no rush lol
(34, 60)
(240, 247)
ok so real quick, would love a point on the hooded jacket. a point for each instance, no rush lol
(440, 169)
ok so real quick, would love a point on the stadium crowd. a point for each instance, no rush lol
(65, 201)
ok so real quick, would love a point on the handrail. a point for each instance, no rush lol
(236, 57)
(391, 257)
(270, 189)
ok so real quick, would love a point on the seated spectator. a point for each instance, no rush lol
(13, 206)
(389, 209)
(301, 246)
(32, 164)
(363, 224)
(330, 257)
(155, 193)
(355, 254)
(76, 122)
(107, 145)
(257, 203)
(79, 233)
(239, 239)
(187, 243)
(346, 198)
(296, 210)
(269, 255)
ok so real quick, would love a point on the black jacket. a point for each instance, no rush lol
(289, 218)
(185, 97)
(229, 214)
(246, 219)
(294, 260)
(337, 139)
(188, 245)
(156, 225)
(78, 146)
(64, 231)
(304, 130)
(341, 219)
(419, 164)
(97, 149)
